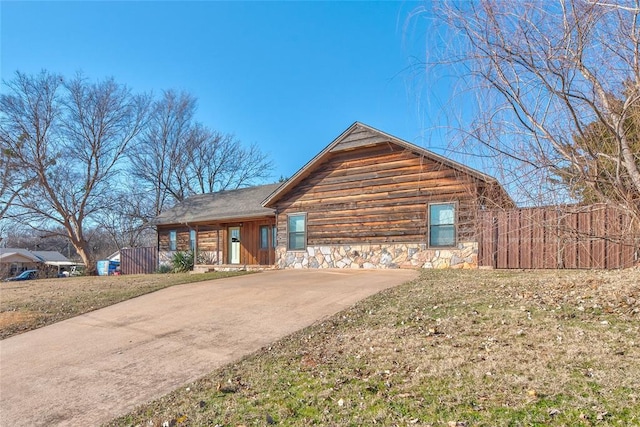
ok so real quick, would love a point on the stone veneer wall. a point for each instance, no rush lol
(165, 257)
(407, 255)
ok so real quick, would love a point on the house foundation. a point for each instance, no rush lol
(401, 255)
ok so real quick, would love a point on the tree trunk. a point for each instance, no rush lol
(83, 249)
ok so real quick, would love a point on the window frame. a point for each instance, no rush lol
(193, 237)
(454, 225)
(173, 240)
(274, 236)
(303, 233)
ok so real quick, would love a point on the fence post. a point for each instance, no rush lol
(559, 252)
(494, 255)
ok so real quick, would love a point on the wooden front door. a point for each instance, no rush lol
(234, 245)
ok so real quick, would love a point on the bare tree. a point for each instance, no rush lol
(70, 137)
(178, 157)
(606, 180)
(546, 75)
(126, 220)
(216, 162)
(157, 162)
(12, 180)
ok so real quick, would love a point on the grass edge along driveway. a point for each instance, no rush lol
(99, 365)
(452, 348)
(32, 304)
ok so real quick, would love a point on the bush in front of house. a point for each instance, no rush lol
(182, 261)
(164, 269)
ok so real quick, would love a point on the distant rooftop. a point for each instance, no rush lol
(49, 257)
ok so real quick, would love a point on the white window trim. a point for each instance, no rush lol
(173, 243)
(455, 225)
(305, 231)
(193, 243)
(274, 236)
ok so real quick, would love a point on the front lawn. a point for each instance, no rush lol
(32, 304)
(453, 348)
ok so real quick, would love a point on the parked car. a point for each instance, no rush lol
(76, 270)
(25, 275)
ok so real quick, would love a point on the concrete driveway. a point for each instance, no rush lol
(89, 369)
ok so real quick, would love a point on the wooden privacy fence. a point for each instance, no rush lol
(594, 236)
(138, 260)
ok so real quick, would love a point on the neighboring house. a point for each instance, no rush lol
(114, 257)
(16, 260)
(368, 200)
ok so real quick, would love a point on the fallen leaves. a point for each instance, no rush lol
(452, 349)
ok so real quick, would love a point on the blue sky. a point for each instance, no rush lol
(289, 76)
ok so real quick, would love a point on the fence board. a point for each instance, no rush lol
(502, 233)
(598, 228)
(552, 240)
(569, 240)
(628, 249)
(138, 260)
(595, 236)
(513, 240)
(486, 244)
(614, 231)
(536, 218)
(526, 239)
(584, 239)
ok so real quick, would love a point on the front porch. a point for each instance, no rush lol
(243, 244)
(207, 268)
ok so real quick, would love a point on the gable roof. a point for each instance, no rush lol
(220, 206)
(361, 135)
(18, 255)
(50, 256)
(25, 255)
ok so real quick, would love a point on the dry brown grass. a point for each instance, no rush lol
(31, 304)
(465, 348)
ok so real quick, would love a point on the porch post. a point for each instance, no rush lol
(218, 245)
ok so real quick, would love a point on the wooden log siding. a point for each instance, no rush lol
(206, 238)
(209, 237)
(377, 194)
(214, 238)
(182, 238)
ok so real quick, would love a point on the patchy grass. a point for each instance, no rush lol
(453, 348)
(31, 304)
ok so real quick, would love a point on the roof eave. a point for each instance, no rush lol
(306, 169)
(217, 220)
(300, 174)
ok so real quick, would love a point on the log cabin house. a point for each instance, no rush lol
(368, 200)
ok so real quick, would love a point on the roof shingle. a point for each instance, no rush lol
(219, 206)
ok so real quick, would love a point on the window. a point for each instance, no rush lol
(264, 236)
(297, 230)
(442, 226)
(192, 240)
(265, 230)
(173, 240)
(274, 236)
